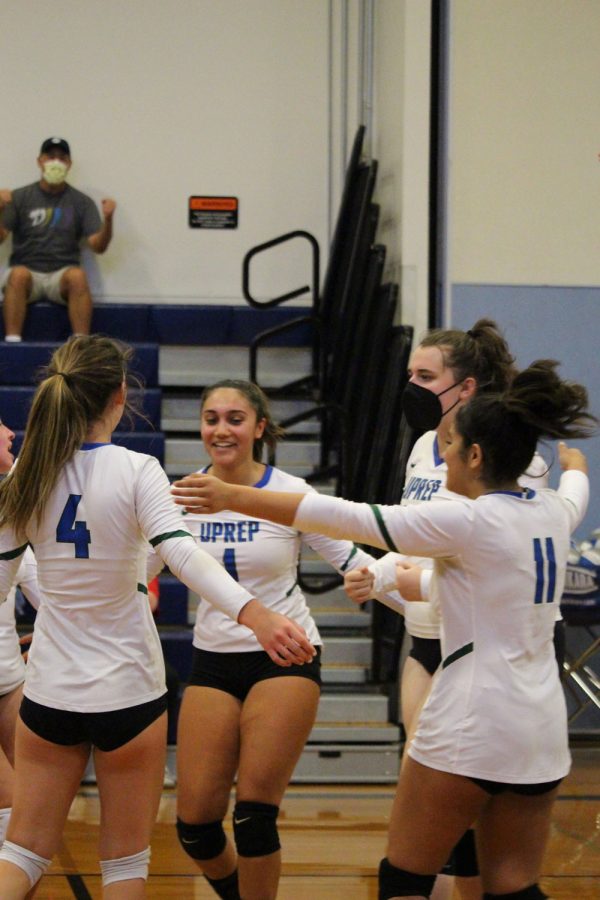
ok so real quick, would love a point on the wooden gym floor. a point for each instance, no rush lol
(333, 838)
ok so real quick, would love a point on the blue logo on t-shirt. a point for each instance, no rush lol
(228, 532)
(421, 488)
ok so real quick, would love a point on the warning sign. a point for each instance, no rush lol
(213, 212)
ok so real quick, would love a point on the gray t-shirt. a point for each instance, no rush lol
(47, 228)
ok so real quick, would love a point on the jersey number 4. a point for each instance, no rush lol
(545, 570)
(68, 531)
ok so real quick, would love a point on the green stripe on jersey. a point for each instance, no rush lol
(384, 532)
(12, 554)
(142, 588)
(347, 563)
(168, 535)
(462, 651)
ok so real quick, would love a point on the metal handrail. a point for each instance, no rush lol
(290, 295)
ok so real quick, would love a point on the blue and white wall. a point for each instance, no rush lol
(524, 172)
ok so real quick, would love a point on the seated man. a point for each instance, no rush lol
(48, 219)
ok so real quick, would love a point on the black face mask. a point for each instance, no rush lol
(422, 408)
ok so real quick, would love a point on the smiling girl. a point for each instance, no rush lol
(240, 713)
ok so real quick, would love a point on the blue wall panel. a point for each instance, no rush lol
(560, 323)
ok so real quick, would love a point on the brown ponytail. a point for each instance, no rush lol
(79, 381)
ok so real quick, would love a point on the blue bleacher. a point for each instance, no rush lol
(50, 322)
(141, 323)
(177, 648)
(21, 364)
(173, 602)
(150, 442)
(15, 402)
(198, 325)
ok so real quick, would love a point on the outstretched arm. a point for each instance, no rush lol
(334, 517)
(574, 484)
(442, 529)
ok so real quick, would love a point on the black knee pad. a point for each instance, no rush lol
(395, 882)
(532, 892)
(255, 828)
(204, 841)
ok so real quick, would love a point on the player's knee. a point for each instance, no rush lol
(533, 892)
(204, 841)
(394, 882)
(33, 865)
(125, 868)
(255, 828)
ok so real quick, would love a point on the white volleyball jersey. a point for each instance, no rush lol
(425, 480)
(264, 558)
(496, 708)
(95, 644)
(12, 667)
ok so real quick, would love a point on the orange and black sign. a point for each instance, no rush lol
(213, 212)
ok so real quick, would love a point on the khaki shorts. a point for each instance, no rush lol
(46, 285)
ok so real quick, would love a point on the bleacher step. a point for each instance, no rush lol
(345, 675)
(198, 366)
(338, 764)
(341, 763)
(352, 708)
(339, 618)
(354, 733)
(182, 414)
(347, 650)
(184, 455)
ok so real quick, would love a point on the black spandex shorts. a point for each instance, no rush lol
(237, 673)
(527, 790)
(104, 730)
(428, 652)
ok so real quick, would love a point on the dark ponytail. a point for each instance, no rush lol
(507, 426)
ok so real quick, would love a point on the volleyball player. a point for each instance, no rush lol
(95, 675)
(12, 667)
(446, 370)
(238, 714)
(492, 740)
